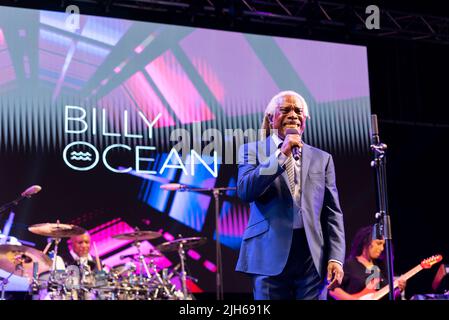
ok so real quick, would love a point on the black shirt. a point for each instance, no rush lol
(356, 275)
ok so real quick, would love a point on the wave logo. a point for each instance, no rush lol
(79, 160)
(81, 156)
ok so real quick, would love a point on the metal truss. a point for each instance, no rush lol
(310, 17)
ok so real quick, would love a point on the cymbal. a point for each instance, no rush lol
(138, 235)
(19, 260)
(187, 243)
(136, 257)
(56, 230)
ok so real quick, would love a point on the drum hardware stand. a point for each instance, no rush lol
(53, 273)
(19, 266)
(173, 271)
(4, 283)
(382, 228)
(167, 277)
(55, 254)
(216, 193)
(34, 286)
(54, 258)
(182, 257)
(142, 263)
(159, 278)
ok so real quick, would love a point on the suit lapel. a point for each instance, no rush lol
(270, 146)
(306, 157)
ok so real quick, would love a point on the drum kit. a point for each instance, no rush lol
(138, 279)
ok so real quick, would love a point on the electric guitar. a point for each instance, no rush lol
(371, 294)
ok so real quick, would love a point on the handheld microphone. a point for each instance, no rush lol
(296, 151)
(31, 191)
(172, 186)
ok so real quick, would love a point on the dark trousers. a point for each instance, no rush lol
(299, 280)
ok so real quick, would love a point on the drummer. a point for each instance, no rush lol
(79, 253)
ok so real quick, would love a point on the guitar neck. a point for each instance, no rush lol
(382, 292)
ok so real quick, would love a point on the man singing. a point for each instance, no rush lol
(294, 244)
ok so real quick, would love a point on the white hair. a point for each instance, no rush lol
(274, 102)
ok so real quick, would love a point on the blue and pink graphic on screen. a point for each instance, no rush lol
(7, 73)
(186, 76)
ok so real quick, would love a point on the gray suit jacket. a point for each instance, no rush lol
(267, 239)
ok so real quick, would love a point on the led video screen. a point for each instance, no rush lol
(103, 115)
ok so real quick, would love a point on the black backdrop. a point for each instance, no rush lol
(408, 83)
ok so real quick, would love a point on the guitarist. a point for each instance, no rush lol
(364, 270)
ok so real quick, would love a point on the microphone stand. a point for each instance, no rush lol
(216, 193)
(383, 223)
(26, 194)
(11, 204)
(5, 207)
(4, 283)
